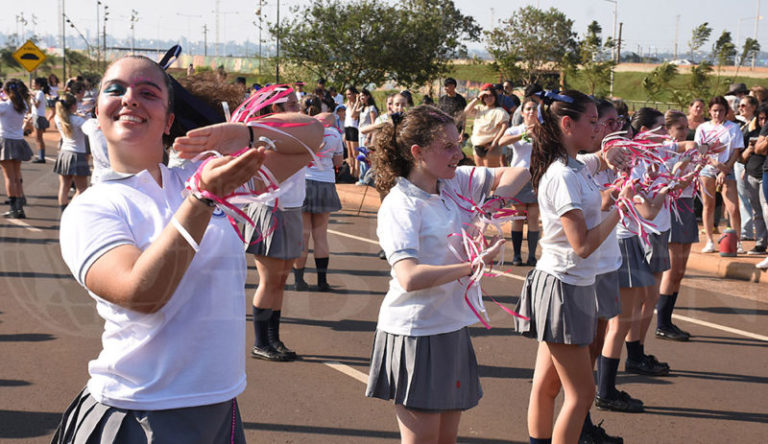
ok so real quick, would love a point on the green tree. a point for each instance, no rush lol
(594, 61)
(530, 41)
(699, 37)
(750, 49)
(657, 81)
(366, 41)
(723, 52)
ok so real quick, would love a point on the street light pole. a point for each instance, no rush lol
(63, 43)
(277, 58)
(104, 35)
(613, 52)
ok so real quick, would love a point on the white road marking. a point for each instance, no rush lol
(352, 236)
(347, 370)
(712, 325)
(735, 331)
(23, 224)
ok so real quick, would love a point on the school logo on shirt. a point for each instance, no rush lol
(218, 213)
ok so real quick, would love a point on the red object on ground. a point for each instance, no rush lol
(728, 242)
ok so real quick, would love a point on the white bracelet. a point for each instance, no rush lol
(185, 234)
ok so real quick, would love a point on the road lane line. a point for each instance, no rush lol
(735, 331)
(23, 224)
(352, 236)
(347, 370)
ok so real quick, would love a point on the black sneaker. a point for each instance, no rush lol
(301, 286)
(285, 351)
(621, 403)
(38, 161)
(268, 353)
(671, 334)
(517, 261)
(597, 435)
(382, 255)
(756, 251)
(323, 286)
(655, 361)
(681, 331)
(15, 214)
(646, 366)
(531, 262)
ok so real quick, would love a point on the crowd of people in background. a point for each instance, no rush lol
(593, 288)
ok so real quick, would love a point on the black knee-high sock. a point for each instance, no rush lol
(298, 274)
(517, 243)
(539, 440)
(664, 310)
(607, 369)
(533, 241)
(273, 327)
(634, 350)
(672, 306)
(588, 426)
(12, 201)
(321, 263)
(42, 154)
(261, 317)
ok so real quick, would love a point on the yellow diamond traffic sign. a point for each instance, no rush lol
(29, 56)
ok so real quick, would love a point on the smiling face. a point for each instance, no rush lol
(696, 109)
(580, 134)
(441, 158)
(132, 110)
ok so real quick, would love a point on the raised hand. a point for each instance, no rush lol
(226, 138)
(223, 175)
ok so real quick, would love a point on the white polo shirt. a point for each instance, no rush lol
(415, 224)
(334, 146)
(98, 149)
(76, 141)
(191, 351)
(521, 150)
(608, 253)
(562, 188)
(662, 221)
(11, 121)
(730, 136)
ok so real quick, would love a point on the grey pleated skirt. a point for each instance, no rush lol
(527, 195)
(70, 163)
(685, 231)
(14, 149)
(607, 294)
(321, 197)
(88, 421)
(634, 271)
(277, 234)
(432, 373)
(558, 312)
(657, 253)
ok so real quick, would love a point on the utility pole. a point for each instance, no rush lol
(260, 24)
(677, 29)
(205, 40)
(104, 35)
(63, 43)
(277, 58)
(98, 47)
(757, 20)
(134, 19)
(613, 51)
(216, 45)
(618, 42)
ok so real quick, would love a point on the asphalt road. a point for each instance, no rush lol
(49, 331)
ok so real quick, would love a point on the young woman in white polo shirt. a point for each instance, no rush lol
(166, 269)
(422, 354)
(559, 295)
(13, 148)
(72, 161)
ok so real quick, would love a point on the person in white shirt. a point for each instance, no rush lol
(13, 148)
(72, 161)
(719, 174)
(321, 198)
(517, 140)
(98, 149)
(558, 295)
(422, 354)
(276, 242)
(165, 267)
(40, 89)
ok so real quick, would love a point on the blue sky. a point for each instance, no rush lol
(648, 24)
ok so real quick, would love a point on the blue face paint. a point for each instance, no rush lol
(116, 89)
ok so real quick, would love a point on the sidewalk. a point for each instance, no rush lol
(740, 268)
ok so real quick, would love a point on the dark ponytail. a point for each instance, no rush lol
(547, 137)
(17, 91)
(392, 156)
(645, 117)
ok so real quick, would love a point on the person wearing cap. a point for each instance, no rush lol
(299, 88)
(453, 103)
(530, 91)
(491, 121)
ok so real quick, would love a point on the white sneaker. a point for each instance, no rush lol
(763, 264)
(739, 249)
(709, 248)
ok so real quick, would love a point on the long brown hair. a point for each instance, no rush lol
(63, 105)
(18, 92)
(392, 156)
(547, 137)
